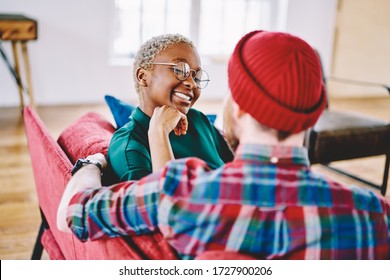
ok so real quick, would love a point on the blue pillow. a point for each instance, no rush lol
(120, 110)
(211, 117)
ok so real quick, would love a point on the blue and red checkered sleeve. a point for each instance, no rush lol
(127, 208)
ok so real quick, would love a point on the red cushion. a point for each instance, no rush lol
(90, 134)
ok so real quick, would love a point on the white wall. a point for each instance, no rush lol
(70, 59)
(362, 45)
(314, 21)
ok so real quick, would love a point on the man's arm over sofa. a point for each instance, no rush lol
(86, 177)
(92, 212)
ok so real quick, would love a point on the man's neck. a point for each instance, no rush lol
(251, 133)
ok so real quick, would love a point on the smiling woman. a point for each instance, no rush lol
(169, 78)
(159, 85)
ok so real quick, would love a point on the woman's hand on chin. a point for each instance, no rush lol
(166, 118)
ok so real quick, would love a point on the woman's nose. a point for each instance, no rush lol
(190, 82)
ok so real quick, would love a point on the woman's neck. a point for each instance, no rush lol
(148, 110)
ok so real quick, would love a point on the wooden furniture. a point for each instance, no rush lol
(19, 30)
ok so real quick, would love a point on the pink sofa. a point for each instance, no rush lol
(51, 162)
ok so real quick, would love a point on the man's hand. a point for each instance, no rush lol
(98, 158)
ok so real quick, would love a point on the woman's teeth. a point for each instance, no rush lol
(182, 96)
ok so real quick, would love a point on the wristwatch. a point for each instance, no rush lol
(81, 161)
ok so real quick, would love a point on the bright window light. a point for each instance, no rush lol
(214, 26)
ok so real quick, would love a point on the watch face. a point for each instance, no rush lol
(78, 165)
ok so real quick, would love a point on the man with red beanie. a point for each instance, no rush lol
(266, 203)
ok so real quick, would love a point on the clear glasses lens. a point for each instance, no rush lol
(182, 71)
(201, 79)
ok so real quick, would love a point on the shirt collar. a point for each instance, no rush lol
(273, 154)
(141, 118)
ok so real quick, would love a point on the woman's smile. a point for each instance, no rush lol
(184, 96)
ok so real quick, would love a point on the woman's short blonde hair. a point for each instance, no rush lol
(148, 51)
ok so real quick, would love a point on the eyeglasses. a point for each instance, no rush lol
(182, 71)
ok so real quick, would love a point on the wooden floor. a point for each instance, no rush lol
(19, 214)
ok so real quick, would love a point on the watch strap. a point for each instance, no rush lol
(81, 161)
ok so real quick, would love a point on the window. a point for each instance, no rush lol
(214, 26)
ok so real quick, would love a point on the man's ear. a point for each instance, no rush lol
(240, 113)
(237, 112)
(141, 75)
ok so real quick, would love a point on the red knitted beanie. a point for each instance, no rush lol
(277, 79)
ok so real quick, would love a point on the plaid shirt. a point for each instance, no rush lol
(266, 203)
